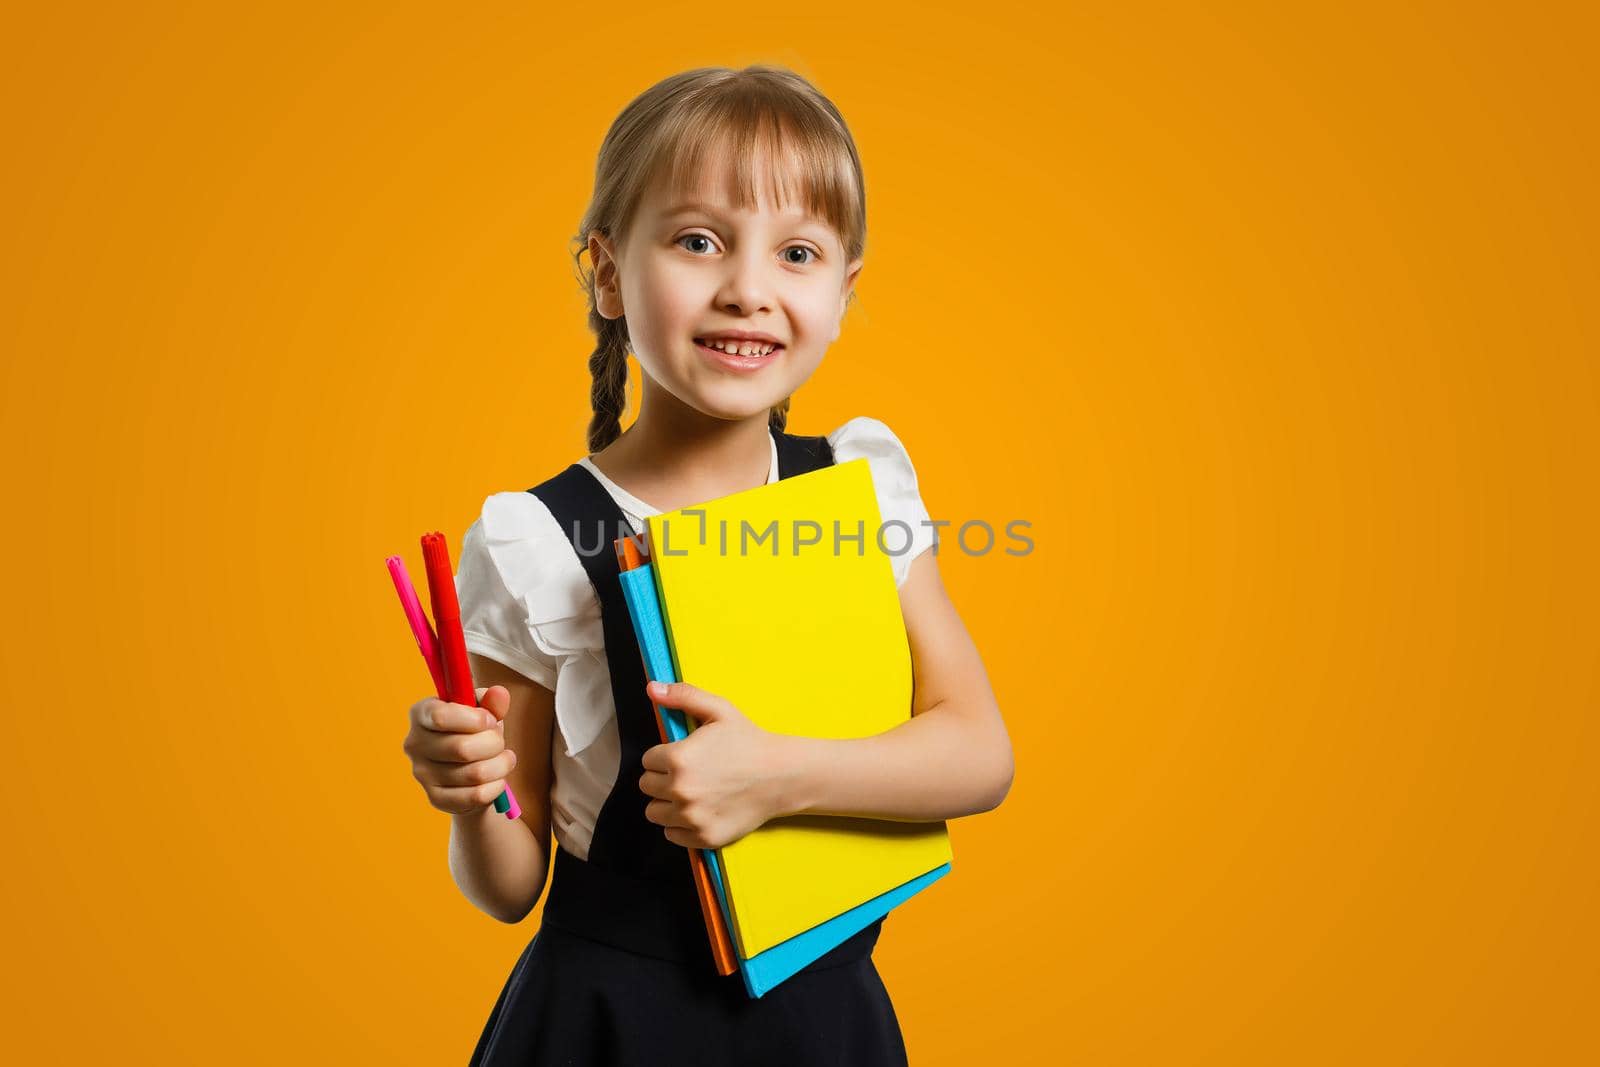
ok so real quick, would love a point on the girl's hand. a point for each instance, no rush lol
(717, 784)
(459, 753)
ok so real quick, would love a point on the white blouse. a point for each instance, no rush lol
(527, 602)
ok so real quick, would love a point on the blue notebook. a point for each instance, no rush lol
(765, 970)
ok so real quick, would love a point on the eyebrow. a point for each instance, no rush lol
(695, 206)
(688, 206)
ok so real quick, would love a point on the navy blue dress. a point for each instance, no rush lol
(620, 972)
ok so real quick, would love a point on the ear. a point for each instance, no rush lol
(607, 284)
(850, 275)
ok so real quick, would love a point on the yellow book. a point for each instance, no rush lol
(781, 600)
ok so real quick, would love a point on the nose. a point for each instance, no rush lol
(747, 284)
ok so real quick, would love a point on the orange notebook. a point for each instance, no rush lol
(629, 558)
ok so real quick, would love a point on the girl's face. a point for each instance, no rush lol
(696, 266)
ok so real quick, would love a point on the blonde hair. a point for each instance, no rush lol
(670, 130)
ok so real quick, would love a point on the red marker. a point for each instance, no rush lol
(452, 643)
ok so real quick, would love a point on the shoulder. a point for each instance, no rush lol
(515, 553)
(509, 548)
(527, 602)
(895, 480)
(864, 437)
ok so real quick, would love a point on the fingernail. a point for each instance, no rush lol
(656, 689)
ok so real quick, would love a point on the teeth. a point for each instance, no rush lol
(746, 348)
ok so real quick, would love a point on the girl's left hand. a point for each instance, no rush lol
(717, 784)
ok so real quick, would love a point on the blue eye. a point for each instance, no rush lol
(811, 256)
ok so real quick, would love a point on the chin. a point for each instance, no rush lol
(732, 411)
(731, 401)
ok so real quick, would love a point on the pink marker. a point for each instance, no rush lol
(428, 645)
(421, 629)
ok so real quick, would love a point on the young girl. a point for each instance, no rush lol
(725, 235)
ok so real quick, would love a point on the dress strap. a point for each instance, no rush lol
(801, 455)
(623, 838)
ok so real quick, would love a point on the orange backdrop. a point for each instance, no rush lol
(1278, 327)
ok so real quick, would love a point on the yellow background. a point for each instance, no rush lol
(1278, 326)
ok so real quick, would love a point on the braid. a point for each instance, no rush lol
(778, 417)
(608, 367)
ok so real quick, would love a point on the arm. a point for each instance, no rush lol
(498, 864)
(952, 758)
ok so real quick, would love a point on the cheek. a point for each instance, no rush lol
(818, 317)
(806, 362)
(669, 305)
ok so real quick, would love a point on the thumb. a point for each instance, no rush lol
(704, 706)
(496, 700)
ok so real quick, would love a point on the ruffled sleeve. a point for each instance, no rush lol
(527, 602)
(907, 527)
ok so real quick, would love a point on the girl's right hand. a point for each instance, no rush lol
(459, 754)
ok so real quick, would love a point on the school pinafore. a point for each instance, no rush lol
(620, 971)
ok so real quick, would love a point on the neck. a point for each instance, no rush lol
(699, 456)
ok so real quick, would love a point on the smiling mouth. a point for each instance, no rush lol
(747, 349)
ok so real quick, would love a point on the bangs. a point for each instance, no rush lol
(805, 163)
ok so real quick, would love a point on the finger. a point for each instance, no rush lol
(460, 801)
(496, 700)
(476, 773)
(687, 838)
(459, 748)
(443, 717)
(704, 706)
(664, 813)
(655, 784)
(658, 757)
(672, 694)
